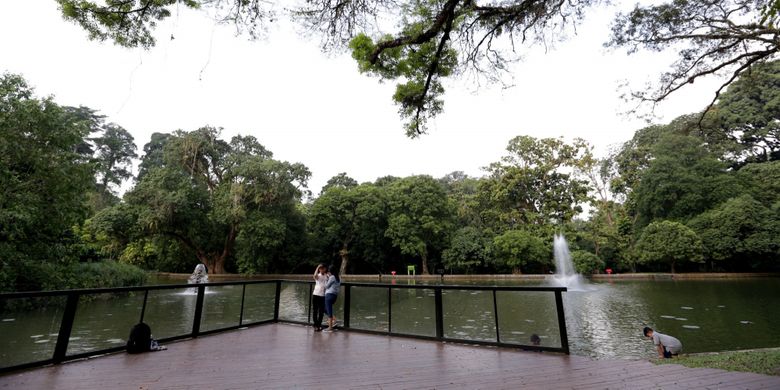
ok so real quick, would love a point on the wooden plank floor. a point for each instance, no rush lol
(280, 356)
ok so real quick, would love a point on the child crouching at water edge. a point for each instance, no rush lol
(667, 346)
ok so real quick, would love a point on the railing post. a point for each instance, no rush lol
(309, 316)
(143, 307)
(241, 314)
(495, 316)
(347, 294)
(389, 310)
(277, 299)
(561, 321)
(66, 326)
(198, 311)
(439, 313)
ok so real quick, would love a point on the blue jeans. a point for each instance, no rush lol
(330, 299)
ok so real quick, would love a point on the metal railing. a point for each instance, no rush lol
(434, 312)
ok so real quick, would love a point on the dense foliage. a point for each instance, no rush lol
(701, 193)
(53, 167)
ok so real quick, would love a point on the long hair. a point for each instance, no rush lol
(334, 271)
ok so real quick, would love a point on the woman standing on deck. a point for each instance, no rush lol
(331, 293)
(318, 296)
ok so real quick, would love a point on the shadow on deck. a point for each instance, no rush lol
(292, 356)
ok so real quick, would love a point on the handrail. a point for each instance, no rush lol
(73, 296)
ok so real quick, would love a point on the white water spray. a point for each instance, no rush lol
(565, 275)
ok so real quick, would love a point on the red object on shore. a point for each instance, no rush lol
(609, 271)
(392, 272)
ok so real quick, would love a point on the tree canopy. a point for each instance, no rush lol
(438, 39)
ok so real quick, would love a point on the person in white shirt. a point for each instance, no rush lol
(318, 296)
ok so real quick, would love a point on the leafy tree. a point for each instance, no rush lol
(462, 190)
(115, 152)
(341, 180)
(586, 263)
(272, 240)
(515, 249)
(712, 37)
(43, 177)
(130, 22)
(740, 233)
(468, 251)
(154, 154)
(530, 187)
(420, 217)
(209, 189)
(351, 222)
(669, 242)
(682, 181)
(761, 181)
(747, 115)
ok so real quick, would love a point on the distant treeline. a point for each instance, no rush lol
(701, 193)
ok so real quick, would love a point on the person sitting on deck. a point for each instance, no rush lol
(667, 346)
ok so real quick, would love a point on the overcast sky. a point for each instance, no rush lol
(313, 108)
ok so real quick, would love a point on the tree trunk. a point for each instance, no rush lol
(344, 253)
(425, 263)
(673, 267)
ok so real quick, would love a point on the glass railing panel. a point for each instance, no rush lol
(413, 312)
(468, 315)
(294, 301)
(29, 329)
(170, 312)
(103, 321)
(259, 302)
(368, 308)
(221, 307)
(523, 314)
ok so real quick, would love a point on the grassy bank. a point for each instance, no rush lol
(761, 361)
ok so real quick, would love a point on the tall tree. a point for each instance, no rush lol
(533, 186)
(342, 180)
(747, 116)
(154, 154)
(683, 180)
(351, 222)
(420, 217)
(208, 190)
(44, 178)
(115, 151)
(468, 250)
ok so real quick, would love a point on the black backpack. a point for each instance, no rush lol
(140, 338)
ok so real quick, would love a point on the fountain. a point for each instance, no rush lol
(200, 275)
(565, 275)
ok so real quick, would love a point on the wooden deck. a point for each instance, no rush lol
(290, 356)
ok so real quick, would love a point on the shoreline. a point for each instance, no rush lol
(508, 277)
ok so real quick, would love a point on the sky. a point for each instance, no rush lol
(316, 108)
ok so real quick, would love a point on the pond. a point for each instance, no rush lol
(604, 321)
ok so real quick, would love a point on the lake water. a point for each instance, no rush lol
(605, 321)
